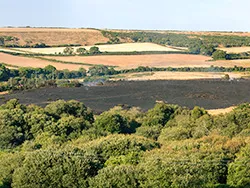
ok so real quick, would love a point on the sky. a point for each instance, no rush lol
(192, 15)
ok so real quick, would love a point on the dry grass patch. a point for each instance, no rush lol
(165, 75)
(236, 49)
(36, 63)
(221, 111)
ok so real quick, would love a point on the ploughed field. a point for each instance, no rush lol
(210, 94)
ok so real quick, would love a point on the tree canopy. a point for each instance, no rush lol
(65, 145)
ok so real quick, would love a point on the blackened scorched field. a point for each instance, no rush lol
(210, 94)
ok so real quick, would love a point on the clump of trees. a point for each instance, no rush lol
(220, 55)
(30, 78)
(81, 51)
(64, 144)
(1, 41)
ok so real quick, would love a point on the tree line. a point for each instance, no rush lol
(65, 145)
(32, 78)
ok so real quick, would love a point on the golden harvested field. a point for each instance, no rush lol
(32, 62)
(126, 47)
(51, 36)
(236, 49)
(133, 61)
(162, 60)
(164, 75)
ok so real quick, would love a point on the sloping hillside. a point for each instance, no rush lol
(52, 36)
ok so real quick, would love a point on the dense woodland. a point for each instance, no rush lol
(66, 145)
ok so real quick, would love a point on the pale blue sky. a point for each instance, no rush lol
(230, 15)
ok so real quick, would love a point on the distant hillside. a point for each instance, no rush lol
(52, 36)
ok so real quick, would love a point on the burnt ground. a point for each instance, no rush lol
(210, 94)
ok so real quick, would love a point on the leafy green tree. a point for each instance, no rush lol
(68, 51)
(197, 112)
(60, 108)
(113, 123)
(61, 168)
(207, 50)
(37, 120)
(239, 170)
(101, 70)
(117, 145)
(8, 163)
(4, 73)
(219, 55)
(116, 177)
(69, 127)
(13, 131)
(152, 132)
(159, 115)
(94, 50)
(187, 124)
(81, 51)
(1, 41)
(50, 68)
